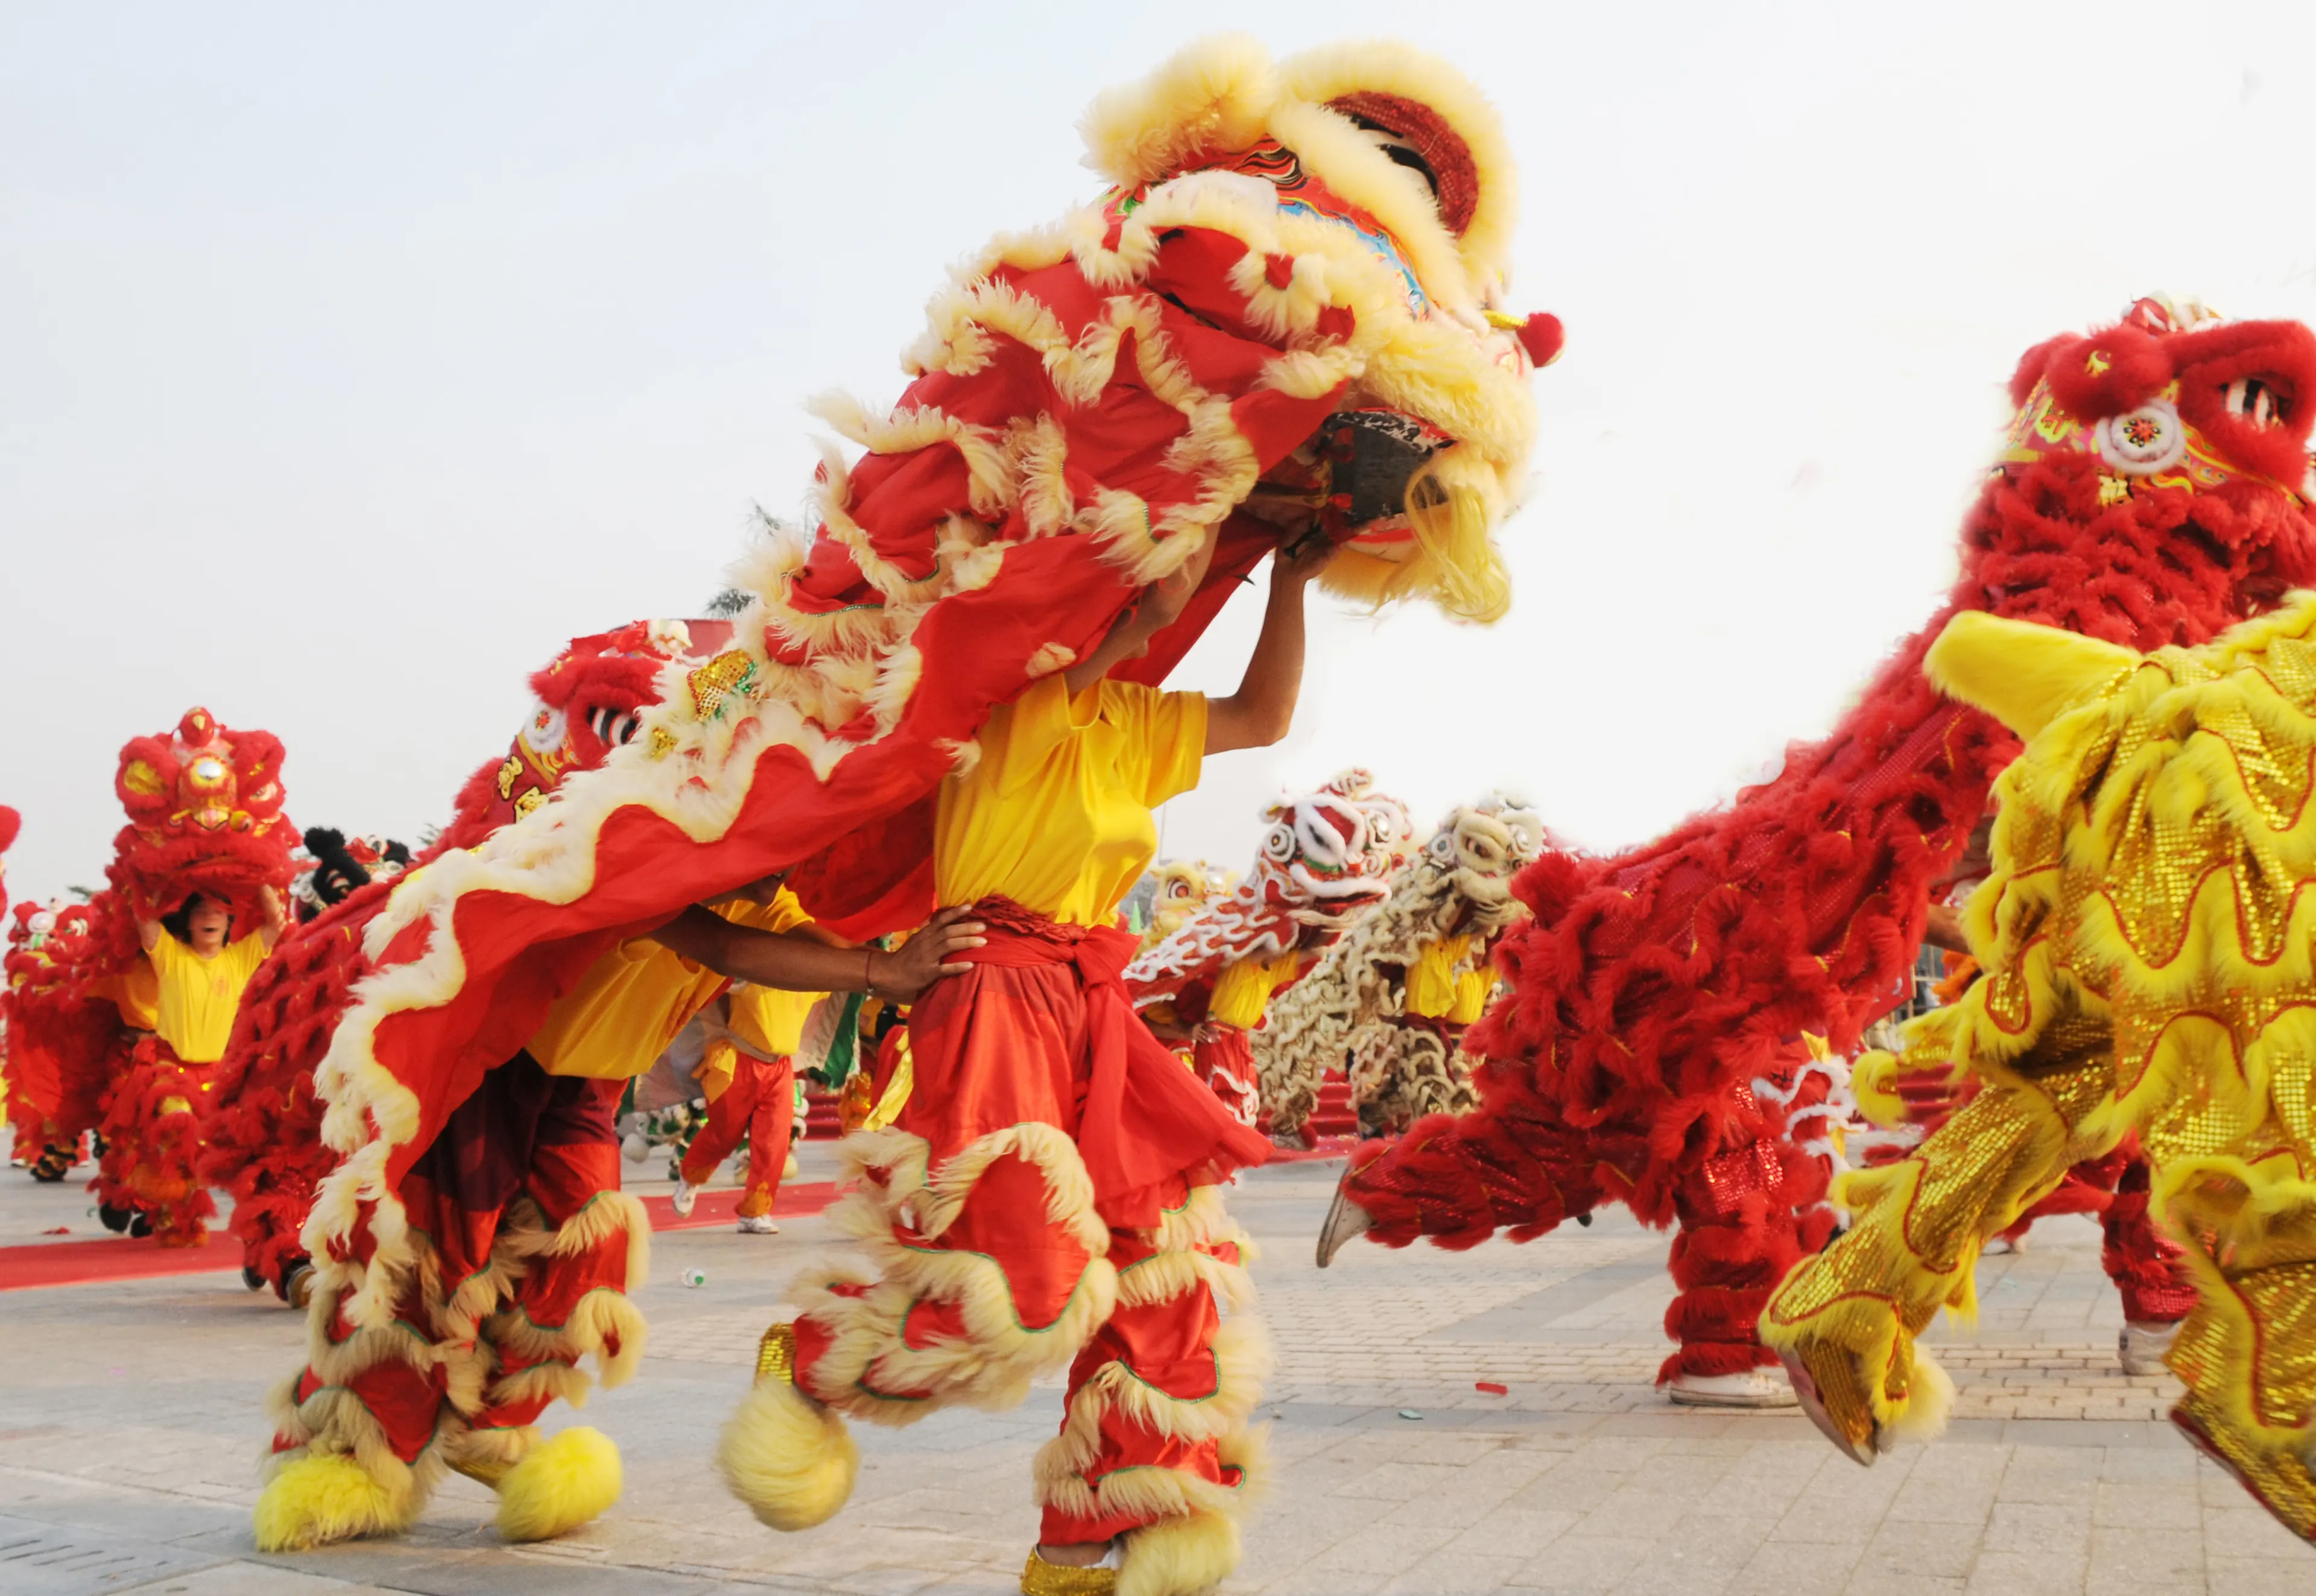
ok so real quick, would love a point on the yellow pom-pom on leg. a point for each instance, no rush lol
(562, 1482)
(317, 1500)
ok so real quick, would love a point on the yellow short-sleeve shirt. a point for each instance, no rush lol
(193, 1008)
(633, 1000)
(1243, 989)
(768, 1022)
(1056, 814)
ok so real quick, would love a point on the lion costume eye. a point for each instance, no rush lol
(1279, 843)
(2255, 399)
(615, 728)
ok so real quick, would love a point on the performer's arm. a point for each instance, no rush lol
(1258, 714)
(794, 962)
(149, 931)
(269, 930)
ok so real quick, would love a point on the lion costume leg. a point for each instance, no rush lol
(994, 1264)
(151, 1130)
(1846, 1321)
(2248, 1352)
(1748, 1213)
(520, 1252)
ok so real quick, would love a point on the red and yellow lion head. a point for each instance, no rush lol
(204, 808)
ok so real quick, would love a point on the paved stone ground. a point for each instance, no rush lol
(129, 1431)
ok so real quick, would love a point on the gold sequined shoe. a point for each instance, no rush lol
(1852, 1429)
(1041, 1578)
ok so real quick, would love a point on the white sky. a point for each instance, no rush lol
(352, 359)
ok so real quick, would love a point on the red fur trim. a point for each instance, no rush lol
(1651, 986)
(152, 1146)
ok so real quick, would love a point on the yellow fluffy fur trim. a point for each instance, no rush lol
(1210, 96)
(1388, 67)
(1221, 94)
(317, 1500)
(2021, 673)
(790, 1460)
(564, 1482)
(1183, 1556)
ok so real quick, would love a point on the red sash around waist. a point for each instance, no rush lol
(1146, 1125)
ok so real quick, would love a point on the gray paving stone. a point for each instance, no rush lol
(130, 1427)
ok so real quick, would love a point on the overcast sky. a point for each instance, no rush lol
(352, 359)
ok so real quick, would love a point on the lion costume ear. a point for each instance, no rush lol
(2021, 673)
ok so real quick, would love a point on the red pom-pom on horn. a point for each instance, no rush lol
(1541, 336)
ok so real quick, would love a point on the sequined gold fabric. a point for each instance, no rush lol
(1041, 1578)
(776, 1354)
(2148, 939)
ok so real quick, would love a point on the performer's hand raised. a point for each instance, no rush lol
(903, 974)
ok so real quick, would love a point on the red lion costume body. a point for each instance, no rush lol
(1280, 321)
(51, 1027)
(2152, 494)
(266, 1132)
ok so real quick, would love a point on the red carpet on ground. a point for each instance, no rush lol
(120, 1258)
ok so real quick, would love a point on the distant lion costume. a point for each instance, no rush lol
(1395, 996)
(1283, 321)
(1326, 859)
(2146, 935)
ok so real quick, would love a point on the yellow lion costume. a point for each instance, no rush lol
(2151, 955)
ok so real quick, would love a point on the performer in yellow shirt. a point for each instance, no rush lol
(201, 969)
(749, 1074)
(531, 1246)
(147, 1181)
(1049, 1195)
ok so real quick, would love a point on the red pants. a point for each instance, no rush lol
(760, 1103)
(522, 1250)
(1048, 1198)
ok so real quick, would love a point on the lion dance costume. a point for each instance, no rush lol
(2150, 494)
(204, 805)
(1396, 995)
(2147, 938)
(1274, 325)
(53, 1029)
(1325, 859)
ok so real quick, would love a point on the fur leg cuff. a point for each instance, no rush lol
(790, 1460)
(315, 1501)
(560, 1484)
(1183, 1556)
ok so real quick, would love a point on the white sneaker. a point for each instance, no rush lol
(1755, 1388)
(2140, 1347)
(2002, 1247)
(686, 1194)
(758, 1225)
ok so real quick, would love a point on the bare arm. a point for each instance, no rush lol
(269, 930)
(798, 962)
(149, 931)
(1262, 709)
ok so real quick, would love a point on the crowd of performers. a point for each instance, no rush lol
(886, 826)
